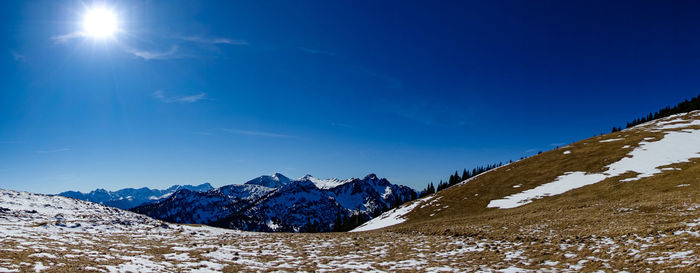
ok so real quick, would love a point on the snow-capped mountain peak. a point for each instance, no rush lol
(275, 180)
(371, 177)
(325, 183)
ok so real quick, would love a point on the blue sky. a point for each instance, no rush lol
(221, 92)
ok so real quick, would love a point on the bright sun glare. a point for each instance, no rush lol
(100, 22)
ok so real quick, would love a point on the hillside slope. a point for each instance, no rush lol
(629, 197)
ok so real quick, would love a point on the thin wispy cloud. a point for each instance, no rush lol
(18, 57)
(255, 133)
(160, 95)
(154, 54)
(133, 50)
(63, 38)
(226, 41)
(192, 98)
(53, 151)
(180, 46)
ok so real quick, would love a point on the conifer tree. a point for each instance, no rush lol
(338, 225)
(683, 107)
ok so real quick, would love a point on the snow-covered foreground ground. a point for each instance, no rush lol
(40, 233)
(51, 233)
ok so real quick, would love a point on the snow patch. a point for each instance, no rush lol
(680, 125)
(611, 140)
(38, 267)
(392, 217)
(562, 184)
(513, 269)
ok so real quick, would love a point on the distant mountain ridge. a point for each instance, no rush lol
(129, 197)
(272, 203)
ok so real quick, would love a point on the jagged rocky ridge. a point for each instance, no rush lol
(130, 197)
(277, 203)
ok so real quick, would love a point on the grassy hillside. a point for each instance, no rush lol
(639, 220)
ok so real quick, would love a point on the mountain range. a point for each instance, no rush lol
(130, 197)
(276, 203)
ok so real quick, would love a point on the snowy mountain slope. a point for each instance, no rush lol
(192, 207)
(304, 206)
(296, 207)
(130, 197)
(371, 194)
(293, 206)
(393, 217)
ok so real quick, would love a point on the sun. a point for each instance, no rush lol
(100, 22)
